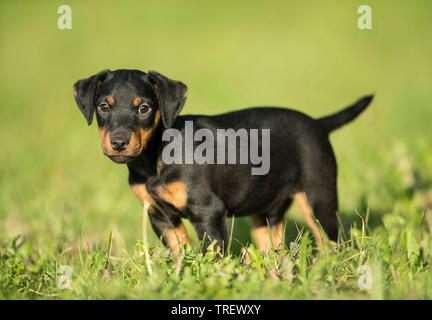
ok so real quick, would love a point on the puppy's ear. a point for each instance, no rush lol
(85, 92)
(171, 95)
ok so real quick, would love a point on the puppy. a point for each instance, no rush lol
(138, 121)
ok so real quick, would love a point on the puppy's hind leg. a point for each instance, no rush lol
(319, 184)
(321, 202)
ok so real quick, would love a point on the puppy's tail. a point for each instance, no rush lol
(337, 120)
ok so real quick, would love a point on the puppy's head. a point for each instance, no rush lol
(129, 106)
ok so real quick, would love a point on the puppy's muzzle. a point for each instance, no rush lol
(119, 143)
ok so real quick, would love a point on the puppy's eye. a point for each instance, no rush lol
(104, 107)
(144, 108)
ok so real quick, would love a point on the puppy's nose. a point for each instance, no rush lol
(119, 143)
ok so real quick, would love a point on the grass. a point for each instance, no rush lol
(398, 251)
(63, 204)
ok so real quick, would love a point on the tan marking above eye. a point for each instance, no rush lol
(110, 101)
(137, 102)
(174, 193)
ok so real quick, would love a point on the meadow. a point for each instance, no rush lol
(62, 203)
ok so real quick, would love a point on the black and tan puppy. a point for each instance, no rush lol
(133, 110)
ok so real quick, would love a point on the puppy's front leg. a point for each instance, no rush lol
(208, 218)
(211, 229)
(173, 232)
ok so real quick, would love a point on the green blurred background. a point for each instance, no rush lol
(309, 55)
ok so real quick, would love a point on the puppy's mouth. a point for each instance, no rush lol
(120, 158)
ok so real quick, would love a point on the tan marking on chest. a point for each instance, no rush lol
(174, 193)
